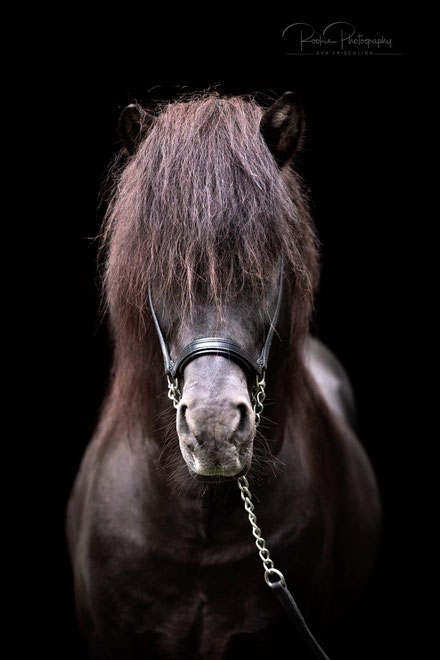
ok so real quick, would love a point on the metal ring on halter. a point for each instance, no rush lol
(277, 572)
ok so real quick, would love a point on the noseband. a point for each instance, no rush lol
(218, 345)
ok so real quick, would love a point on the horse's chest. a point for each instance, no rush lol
(149, 593)
(211, 626)
(179, 611)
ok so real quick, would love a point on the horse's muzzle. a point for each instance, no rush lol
(216, 441)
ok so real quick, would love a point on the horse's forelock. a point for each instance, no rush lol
(202, 208)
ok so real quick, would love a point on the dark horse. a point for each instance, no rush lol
(164, 561)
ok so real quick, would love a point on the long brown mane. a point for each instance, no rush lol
(201, 208)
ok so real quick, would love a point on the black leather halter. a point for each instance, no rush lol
(218, 345)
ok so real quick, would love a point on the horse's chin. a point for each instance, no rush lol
(211, 479)
(216, 478)
(218, 474)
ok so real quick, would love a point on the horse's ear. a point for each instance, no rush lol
(134, 124)
(282, 127)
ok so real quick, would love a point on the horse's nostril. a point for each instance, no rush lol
(181, 417)
(243, 410)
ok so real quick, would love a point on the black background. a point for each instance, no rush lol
(354, 160)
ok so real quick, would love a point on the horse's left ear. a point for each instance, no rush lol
(134, 124)
(282, 127)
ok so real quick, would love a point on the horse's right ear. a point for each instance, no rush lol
(134, 124)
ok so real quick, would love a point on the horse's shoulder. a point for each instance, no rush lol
(105, 497)
(332, 379)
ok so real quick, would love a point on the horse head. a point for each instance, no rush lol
(206, 223)
(219, 400)
(216, 402)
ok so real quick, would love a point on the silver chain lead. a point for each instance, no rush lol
(263, 551)
(243, 484)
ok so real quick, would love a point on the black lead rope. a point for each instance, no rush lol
(294, 613)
